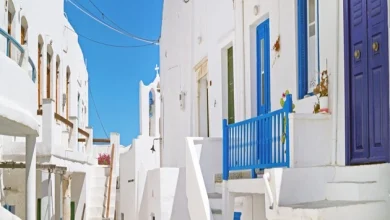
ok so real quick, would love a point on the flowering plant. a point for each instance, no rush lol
(282, 102)
(322, 88)
(104, 159)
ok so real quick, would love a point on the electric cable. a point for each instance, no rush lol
(107, 44)
(110, 27)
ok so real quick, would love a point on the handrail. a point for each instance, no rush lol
(21, 49)
(257, 143)
(101, 140)
(81, 131)
(267, 178)
(63, 120)
(110, 180)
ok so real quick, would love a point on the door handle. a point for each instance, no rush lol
(357, 54)
(375, 46)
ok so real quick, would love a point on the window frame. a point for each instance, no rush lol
(303, 48)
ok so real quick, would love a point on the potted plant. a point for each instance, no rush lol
(322, 90)
(105, 160)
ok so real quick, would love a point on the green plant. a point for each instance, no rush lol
(322, 87)
(284, 127)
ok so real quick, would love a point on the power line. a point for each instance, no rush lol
(97, 113)
(104, 16)
(110, 27)
(107, 44)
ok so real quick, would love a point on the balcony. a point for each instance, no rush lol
(17, 89)
(258, 143)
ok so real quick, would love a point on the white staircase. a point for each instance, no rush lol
(354, 193)
(98, 193)
(215, 200)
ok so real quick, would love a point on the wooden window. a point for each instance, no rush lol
(39, 76)
(23, 35)
(231, 118)
(57, 86)
(308, 47)
(67, 94)
(48, 76)
(9, 32)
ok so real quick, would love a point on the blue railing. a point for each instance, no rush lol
(257, 143)
(20, 48)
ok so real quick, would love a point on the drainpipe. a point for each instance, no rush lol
(335, 90)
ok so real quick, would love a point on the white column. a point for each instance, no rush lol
(48, 122)
(31, 170)
(73, 144)
(239, 67)
(58, 197)
(47, 201)
(227, 202)
(66, 189)
(115, 139)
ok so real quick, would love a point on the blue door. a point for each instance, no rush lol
(237, 216)
(264, 126)
(263, 69)
(366, 81)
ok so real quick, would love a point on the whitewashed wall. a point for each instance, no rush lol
(190, 32)
(205, 32)
(64, 43)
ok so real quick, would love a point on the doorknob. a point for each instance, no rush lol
(375, 46)
(357, 54)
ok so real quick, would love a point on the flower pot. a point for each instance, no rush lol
(324, 104)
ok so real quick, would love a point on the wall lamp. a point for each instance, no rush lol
(155, 139)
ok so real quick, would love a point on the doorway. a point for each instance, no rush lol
(366, 81)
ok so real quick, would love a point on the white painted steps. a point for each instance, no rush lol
(215, 200)
(96, 203)
(334, 210)
(355, 191)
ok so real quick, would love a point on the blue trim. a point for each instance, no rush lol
(302, 49)
(20, 48)
(262, 33)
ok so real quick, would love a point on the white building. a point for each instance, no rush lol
(233, 60)
(44, 119)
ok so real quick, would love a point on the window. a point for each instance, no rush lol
(67, 91)
(57, 101)
(48, 75)
(308, 47)
(40, 43)
(230, 82)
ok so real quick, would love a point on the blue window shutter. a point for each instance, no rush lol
(302, 48)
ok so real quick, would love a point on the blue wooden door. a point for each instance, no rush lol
(367, 81)
(263, 68)
(237, 216)
(264, 140)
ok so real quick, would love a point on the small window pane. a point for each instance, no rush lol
(262, 55)
(262, 88)
(311, 11)
(312, 30)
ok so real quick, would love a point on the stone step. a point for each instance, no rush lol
(332, 210)
(99, 211)
(355, 191)
(233, 175)
(215, 200)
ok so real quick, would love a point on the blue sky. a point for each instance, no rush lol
(114, 73)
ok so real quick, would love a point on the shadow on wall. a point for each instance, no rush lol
(180, 204)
